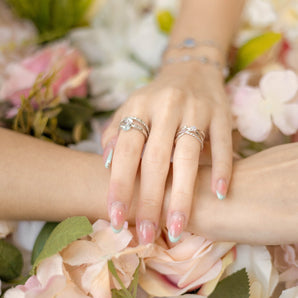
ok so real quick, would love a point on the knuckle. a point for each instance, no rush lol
(182, 195)
(151, 204)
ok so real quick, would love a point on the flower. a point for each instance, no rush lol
(192, 263)
(274, 101)
(6, 227)
(50, 281)
(71, 70)
(263, 277)
(290, 293)
(87, 260)
(285, 259)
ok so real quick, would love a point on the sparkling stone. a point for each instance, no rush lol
(126, 124)
(189, 43)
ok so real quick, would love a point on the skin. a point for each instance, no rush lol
(182, 94)
(43, 181)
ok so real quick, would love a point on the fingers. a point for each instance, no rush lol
(185, 167)
(222, 152)
(126, 158)
(154, 171)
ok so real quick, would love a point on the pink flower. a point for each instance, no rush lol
(50, 281)
(87, 260)
(71, 70)
(192, 263)
(285, 259)
(274, 101)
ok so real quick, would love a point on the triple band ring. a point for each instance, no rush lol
(198, 134)
(136, 123)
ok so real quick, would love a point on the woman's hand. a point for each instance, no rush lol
(182, 94)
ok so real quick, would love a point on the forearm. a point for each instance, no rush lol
(49, 182)
(215, 20)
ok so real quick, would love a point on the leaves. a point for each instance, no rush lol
(41, 239)
(11, 261)
(233, 286)
(66, 232)
(165, 21)
(131, 292)
(53, 18)
(255, 48)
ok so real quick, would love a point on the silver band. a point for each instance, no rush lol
(133, 122)
(191, 131)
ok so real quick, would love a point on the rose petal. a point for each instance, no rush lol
(289, 293)
(279, 85)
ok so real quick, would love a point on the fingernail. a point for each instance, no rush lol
(146, 232)
(176, 226)
(221, 189)
(109, 158)
(117, 215)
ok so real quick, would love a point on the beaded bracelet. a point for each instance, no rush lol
(190, 43)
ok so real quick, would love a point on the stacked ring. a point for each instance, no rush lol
(136, 123)
(191, 131)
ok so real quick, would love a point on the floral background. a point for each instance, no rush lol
(61, 76)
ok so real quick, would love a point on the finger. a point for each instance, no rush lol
(185, 168)
(125, 164)
(222, 153)
(154, 171)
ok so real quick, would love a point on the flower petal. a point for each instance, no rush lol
(279, 85)
(286, 118)
(289, 293)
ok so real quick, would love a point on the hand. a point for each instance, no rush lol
(182, 94)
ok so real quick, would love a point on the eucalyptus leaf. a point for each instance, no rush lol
(233, 286)
(41, 239)
(11, 261)
(255, 48)
(64, 233)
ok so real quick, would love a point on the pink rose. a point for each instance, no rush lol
(285, 259)
(51, 280)
(71, 70)
(194, 262)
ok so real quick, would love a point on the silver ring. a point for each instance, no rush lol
(198, 134)
(133, 122)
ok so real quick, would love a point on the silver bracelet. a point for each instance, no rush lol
(190, 43)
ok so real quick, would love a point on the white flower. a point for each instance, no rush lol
(111, 85)
(289, 293)
(6, 227)
(263, 277)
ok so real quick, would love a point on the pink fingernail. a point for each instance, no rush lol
(176, 226)
(117, 215)
(221, 189)
(146, 231)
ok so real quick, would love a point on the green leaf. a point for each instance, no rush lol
(233, 286)
(76, 111)
(255, 48)
(41, 239)
(64, 233)
(165, 21)
(11, 261)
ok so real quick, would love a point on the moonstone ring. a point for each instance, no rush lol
(198, 134)
(136, 123)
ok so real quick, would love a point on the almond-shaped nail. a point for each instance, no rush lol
(221, 189)
(146, 231)
(117, 215)
(109, 158)
(176, 226)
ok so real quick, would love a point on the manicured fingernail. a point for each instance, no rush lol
(117, 215)
(221, 189)
(176, 226)
(109, 158)
(146, 232)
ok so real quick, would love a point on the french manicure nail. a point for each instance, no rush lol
(146, 232)
(176, 226)
(117, 215)
(109, 158)
(221, 189)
